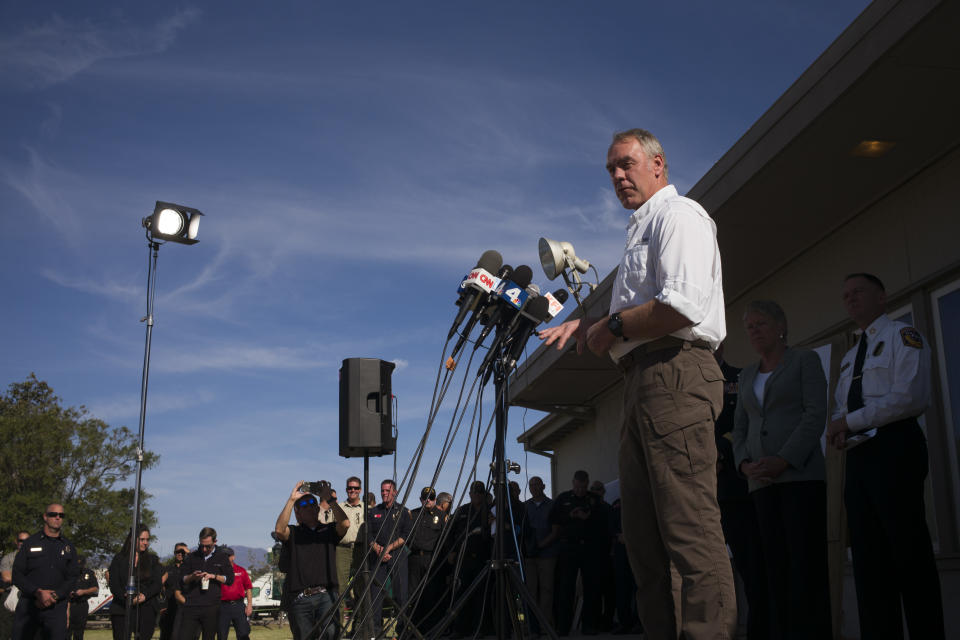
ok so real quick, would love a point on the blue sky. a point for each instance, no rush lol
(353, 162)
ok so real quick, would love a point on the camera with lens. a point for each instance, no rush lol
(319, 488)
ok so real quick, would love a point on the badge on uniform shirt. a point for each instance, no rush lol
(731, 387)
(436, 519)
(846, 365)
(911, 337)
(879, 349)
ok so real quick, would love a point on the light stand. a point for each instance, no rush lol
(173, 223)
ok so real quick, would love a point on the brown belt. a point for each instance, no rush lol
(660, 344)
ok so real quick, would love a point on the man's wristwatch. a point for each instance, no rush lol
(615, 324)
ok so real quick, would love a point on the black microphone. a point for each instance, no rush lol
(486, 300)
(503, 308)
(536, 312)
(478, 282)
(503, 334)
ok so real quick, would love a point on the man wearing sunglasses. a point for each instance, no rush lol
(311, 584)
(203, 574)
(45, 570)
(347, 563)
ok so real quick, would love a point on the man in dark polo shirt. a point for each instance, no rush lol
(388, 529)
(45, 570)
(310, 556)
(201, 577)
(577, 520)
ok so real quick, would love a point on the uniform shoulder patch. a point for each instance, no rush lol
(911, 337)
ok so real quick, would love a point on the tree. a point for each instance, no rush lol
(55, 454)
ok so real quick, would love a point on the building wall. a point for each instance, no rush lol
(905, 237)
(594, 446)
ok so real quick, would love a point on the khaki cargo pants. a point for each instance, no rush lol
(668, 489)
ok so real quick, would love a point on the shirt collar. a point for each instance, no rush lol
(876, 326)
(653, 202)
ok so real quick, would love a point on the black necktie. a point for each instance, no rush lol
(855, 395)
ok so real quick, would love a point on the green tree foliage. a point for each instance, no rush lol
(54, 454)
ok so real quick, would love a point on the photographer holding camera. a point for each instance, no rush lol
(309, 558)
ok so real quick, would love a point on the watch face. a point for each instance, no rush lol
(615, 325)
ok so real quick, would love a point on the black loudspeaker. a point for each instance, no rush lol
(366, 408)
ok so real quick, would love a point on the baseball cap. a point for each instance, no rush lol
(427, 493)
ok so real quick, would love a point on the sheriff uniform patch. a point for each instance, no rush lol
(911, 337)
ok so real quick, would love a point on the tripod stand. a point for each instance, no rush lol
(508, 585)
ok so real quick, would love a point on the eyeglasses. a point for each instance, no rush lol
(306, 501)
(209, 546)
(349, 488)
(56, 514)
(21, 540)
(180, 552)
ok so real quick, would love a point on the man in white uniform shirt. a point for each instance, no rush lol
(884, 385)
(666, 318)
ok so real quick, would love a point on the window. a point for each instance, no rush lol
(946, 318)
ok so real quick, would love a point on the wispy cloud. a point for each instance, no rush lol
(44, 186)
(59, 49)
(128, 408)
(237, 357)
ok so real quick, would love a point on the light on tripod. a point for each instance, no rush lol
(173, 222)
(556, 256)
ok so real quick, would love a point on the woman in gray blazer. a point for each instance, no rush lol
(781, 414)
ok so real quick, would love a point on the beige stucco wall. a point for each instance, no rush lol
(593, 447)
(907, 236)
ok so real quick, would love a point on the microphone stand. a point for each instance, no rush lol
(508, 584)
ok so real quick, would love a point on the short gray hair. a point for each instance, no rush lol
(648, 142)
(770, 309)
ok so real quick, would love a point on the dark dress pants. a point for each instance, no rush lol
(142, 622)
(742, 532)
(891, 547)
(234, 613)
(793, 527)
(574, 559)
(203, 618)
(28, 621)
(78, 619)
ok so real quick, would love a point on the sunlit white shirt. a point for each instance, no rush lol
(896, 376)
(672, 256)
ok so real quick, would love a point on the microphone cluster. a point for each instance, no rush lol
(502, 299)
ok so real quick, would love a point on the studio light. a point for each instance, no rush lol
(173, 223)
(557, 256)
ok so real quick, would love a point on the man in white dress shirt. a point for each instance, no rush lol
(666, 318)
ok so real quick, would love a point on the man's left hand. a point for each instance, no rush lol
(599, 338)
(45, 598)
(248, 611)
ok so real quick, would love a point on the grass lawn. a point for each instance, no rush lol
(258, 631)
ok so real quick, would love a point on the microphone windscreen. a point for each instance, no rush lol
(491, 261)
(539, 308)
(533, 289)
(561, 295)
(522, 275)
(505, 272)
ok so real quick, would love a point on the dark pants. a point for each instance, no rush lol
(29, 620)
(574, 559)
(397, 571)
(417, 566)
(626, 588)
(142, 622)
(892, 553)
(78, 619)
(206, 618)
(793, 527)
(167, 622)
(234, 613)
(306, 614)
(742, 531)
